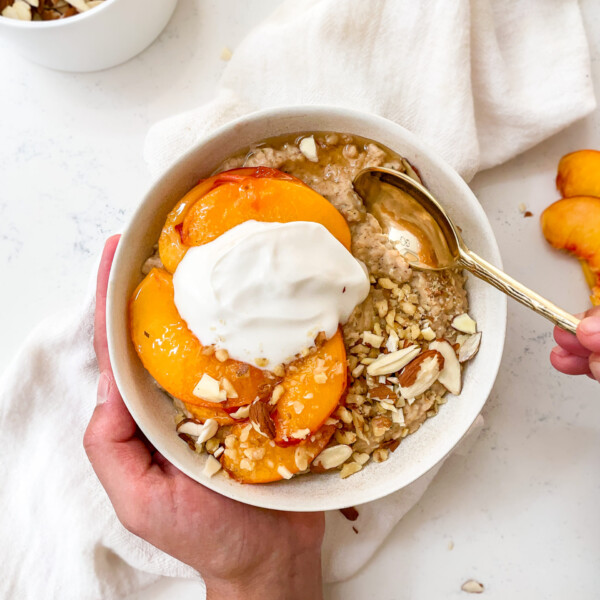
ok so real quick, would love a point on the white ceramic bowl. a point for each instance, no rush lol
(419, 452)
(102, 37)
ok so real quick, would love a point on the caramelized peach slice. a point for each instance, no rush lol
(170, 246)
(203, 413)
(313, 387)
(259, 460)
(174, 356)
(579, 174)
(272, 200)
(573, 224)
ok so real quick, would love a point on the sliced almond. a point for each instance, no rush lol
(450, 376)
(260, 418)
(464, 323)
(228, 387)
(385, 364)
(372, 339)
(333, 457)
(428, 334)
(209, 430)
(421, 373)
(469, 348)
(208, 389)
(392, 341)
(301, 458)
(80, 5)
(211, 467)
(308, 147)
(284, 472)
(472, 587)
(243, 412)
(189, 426)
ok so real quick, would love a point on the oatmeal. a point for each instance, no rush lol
(343, 401)
(403, 306)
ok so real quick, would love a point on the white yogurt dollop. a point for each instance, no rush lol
(265, 290)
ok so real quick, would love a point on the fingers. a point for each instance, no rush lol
(100, 343)
(594, 363)
(119, 458)
(588, 330)
(570, 343)
(570, 364)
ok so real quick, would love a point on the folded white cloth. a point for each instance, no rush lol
(479, 81)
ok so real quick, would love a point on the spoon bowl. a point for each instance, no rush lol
(424, 234)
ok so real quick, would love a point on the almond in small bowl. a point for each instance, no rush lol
(79, 35)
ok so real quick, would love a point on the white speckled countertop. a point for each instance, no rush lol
(520, 512)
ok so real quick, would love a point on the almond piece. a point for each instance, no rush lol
(333, 457)
(208, 389)
(308, 147)
(472, 587)
(211, 467)
(464, 323)
(450, 376)
(243, 412)
(261, 420)
(190, 426)
(420, 374)
(209, 430)
(469, 348)
(385, 364)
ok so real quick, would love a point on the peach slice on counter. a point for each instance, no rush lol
(579, 174)
(573, 224)
(250, 457)
(223, 201)
(312, 391)
(174, 356)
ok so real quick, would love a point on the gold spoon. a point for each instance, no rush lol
(425, 235)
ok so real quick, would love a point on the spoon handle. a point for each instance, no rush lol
(490, 274)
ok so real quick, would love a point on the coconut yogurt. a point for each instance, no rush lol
(263, 291)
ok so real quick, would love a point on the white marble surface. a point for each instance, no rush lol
(521, 511)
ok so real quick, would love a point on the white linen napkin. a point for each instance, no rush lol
(480, 81)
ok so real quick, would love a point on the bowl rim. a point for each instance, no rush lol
(56, 23)
(446, 170)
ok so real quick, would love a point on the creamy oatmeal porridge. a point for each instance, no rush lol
(402, 343)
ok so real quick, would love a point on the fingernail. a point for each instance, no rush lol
(104, 384)
(590, 326)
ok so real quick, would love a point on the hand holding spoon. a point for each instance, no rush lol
(425, 235)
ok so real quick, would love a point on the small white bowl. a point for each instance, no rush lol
(99, 38)
(419, 452)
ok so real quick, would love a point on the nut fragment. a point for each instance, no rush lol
(301, 458)
(308, 147)
(392, 362)
(372, 339)
(209, 430)
(469, 347)
(261, 420)
(221, 355)
(450, 375)
(464, 323)
(472, 587)
(241, 413)
(420, 374)
(349, 469)
(190, 427)
(211, 467)
(278, 391)
(284, 472)
(333, 457)
(208, 389)
(228, 387)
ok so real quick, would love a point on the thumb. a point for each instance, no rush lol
(117, 454)
(588, 330)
